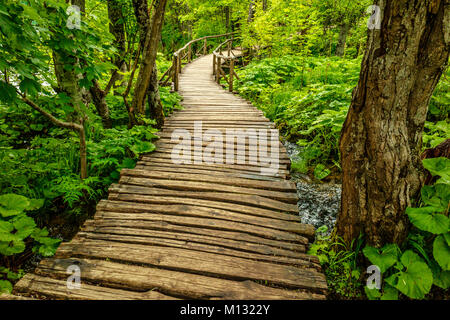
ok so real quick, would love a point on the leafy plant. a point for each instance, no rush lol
(426, 259)
(339, 262)
(17, 229)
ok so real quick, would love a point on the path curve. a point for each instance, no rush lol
(199, 231)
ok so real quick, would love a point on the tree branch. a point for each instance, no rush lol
(68, 125)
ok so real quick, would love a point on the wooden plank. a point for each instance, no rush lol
(200, 247)
(201, 208)
(43, 287)
(161, 225)
(180, 284)
(205, 239)
(252, 200)
(236, 169)
(281, 185)
(148, 213)
(248, 175)
(205, 186)
(190, 261)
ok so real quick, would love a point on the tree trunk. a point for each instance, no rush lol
(149, 53)
(227, 18)
(251, 11)
(340, 48)
(117, 29)
(154, 100)
(98, 98)
(382, 135)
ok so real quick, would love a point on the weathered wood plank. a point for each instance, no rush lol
(212, 239)
(281, 185)
(205, 186)
(46, 287)
(252, 200)
(190, 261)
(170, 282)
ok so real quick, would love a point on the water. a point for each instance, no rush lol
(318, 202)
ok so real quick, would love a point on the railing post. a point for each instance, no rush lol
(179, 61)
(214, 64)
(175, 72)
(190, 53)
(204, 47)
(218, 70)
(231, 75)
(229, 48)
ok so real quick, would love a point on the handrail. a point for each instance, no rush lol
(229, 61)
(186, 52)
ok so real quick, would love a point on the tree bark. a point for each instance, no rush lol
(154, 100)
(98, 98)
(153, 29)
(342, 40)
(382, 135)
(117, 29)
(251, 11)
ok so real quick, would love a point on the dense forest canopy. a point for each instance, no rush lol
(80, 100)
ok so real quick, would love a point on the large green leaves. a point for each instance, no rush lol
(385, 258)
(5, 286)
(12, 204)
(439, 167)
(427, 219)
(415, 280)
(441, 251)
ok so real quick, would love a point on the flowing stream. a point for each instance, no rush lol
(319, 202)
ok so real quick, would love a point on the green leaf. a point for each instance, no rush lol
(48, 246)
(427, 219)
(24, 226)
(7, 92)
(12, 204)
(416, 281)
(321, 172)
(441, 252)
(35, 204)
(384, 259)
(5, 231)
(438, 167)
(372, 294)
(5, 286)
(437, 196)
(12, 247)
(442, 279)
(29, 86)
(389, 293)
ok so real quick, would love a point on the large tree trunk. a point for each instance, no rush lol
(342, 40)
(154, 100)
(117, 29)
(153, 29)
(382, 135)
(68, 83)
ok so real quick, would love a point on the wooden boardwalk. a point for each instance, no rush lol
(198, 231)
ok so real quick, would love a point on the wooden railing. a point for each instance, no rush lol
(225, 57)
(193, 49)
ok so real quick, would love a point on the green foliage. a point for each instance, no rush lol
(339, 262)
(18, 230)
(426, 259)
